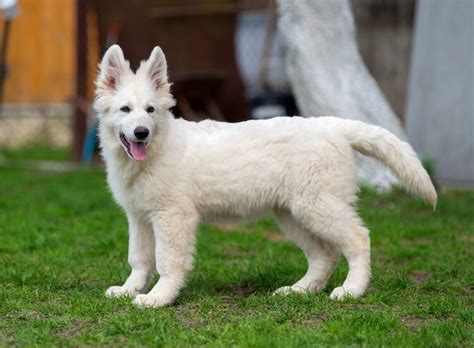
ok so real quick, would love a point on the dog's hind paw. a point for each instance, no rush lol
(120, 291)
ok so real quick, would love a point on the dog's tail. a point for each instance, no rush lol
(398, 155)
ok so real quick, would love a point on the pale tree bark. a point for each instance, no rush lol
(328, 76)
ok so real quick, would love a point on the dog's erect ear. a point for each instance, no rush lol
(113, 65)
(157, 68)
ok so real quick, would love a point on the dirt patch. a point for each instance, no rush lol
(231, 250)
(357, 305)
(71, 329)
(390, 261)
(414, 323)
(239, 290)
(75, 327)
(187, 309)
(187, 313)
(191, 316)
(275, 236)
(233, 228)
(243, 290)
(8, 338)
(28, 314)
(468, 238)
(314, 320)
(416, 242)
(419, 276)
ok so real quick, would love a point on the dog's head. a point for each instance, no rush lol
(132, 106)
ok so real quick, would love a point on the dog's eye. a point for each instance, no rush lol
(150, 109)
(125, 109)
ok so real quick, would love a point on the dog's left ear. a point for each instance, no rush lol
(157, 68)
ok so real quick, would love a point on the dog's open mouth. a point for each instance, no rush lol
(136, 149)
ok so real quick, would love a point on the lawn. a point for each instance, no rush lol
(63, 241)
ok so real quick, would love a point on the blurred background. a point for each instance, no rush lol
(227, 62)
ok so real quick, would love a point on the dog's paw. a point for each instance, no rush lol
(149, 301)
(340, 293)
(120, 291)
(285, 290)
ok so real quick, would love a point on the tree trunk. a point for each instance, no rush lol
(328, 76)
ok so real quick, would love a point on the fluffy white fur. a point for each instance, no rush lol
(300, 170)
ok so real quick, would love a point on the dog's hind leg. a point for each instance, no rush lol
(335, 221)
(141, 257)
(175, 238)
(321, 256)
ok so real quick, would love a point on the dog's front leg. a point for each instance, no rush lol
(175, 237)
(141, 257)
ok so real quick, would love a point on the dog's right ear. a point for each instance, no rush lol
(111, 68)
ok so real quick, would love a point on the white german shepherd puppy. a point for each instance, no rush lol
(170, 174)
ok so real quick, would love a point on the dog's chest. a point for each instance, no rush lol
(133, 192)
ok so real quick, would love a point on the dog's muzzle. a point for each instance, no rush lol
(136, 149)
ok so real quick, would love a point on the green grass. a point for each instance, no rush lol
(36, 152)
(63, 242)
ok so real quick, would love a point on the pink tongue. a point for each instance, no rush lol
(138, 151)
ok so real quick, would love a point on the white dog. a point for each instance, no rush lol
(170, 174)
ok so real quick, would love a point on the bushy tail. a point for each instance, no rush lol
(398, 155)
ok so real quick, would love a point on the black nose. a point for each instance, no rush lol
(141, 132)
